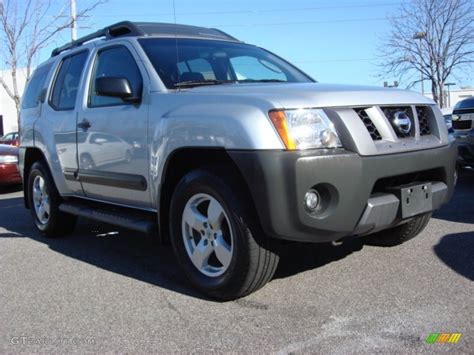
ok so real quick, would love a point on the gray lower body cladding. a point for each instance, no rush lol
(356, 191)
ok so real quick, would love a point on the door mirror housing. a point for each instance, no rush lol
(115, 87)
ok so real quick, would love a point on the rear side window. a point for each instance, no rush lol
(34, 87)
(198, 66)
(67, 82)
(115, 62)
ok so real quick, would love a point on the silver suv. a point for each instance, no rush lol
(224, 149)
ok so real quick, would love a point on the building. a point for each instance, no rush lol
(455, 95)
(8, 116)
(459, 95)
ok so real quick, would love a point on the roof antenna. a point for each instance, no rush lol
(176, 41)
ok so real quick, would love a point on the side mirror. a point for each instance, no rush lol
(115, 87)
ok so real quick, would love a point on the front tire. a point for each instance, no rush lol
(44, 201)
(220, 247)
(400, 234)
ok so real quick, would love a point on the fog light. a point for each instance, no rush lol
(312, 200)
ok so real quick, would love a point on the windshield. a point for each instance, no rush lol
(194, 62)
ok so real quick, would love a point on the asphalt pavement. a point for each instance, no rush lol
(105, 289)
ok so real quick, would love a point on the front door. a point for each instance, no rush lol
(112, 133)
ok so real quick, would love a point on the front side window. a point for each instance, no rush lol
(34, 87)
(67, 81)
(115, 62)
(186, 61)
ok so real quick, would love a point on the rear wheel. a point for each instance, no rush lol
(400, 234)
(44, 201)
(221, 249)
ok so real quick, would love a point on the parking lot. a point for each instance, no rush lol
(105, 289)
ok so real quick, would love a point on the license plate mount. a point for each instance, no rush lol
(415, 199)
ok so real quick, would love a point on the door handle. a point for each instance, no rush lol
(85, 125)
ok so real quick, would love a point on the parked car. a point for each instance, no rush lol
(242, 150)
(9, 172)
(463, 127)
(448, 118)
(97, 148)
(10, 139)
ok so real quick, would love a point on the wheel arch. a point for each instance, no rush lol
(184, 160)
(32, 155)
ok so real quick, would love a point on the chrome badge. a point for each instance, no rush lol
(402, 122)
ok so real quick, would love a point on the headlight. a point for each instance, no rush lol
(449, 122)
(305, 128)
(5, 159)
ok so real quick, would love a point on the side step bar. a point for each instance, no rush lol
(145, 222)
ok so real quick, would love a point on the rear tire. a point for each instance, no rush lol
(44, 201)
(400, 234)
(248, 264)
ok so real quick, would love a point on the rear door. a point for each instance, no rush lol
(113, 159)
(59, 120)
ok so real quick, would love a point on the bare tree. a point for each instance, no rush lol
(25, 30)
(432, 39)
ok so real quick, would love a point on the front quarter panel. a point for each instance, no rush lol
(181, 120)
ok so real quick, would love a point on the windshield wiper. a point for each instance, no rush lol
(192, 83)
(262, 81)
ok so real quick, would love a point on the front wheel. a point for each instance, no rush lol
(400, 234)
(44, 203)
(219, 246)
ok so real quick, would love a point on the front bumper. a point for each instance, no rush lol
(355, 188)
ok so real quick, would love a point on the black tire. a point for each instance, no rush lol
(400, 234)
(252, 264)
(59, 223)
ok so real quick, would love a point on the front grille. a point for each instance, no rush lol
(423, 119)
(402, 128)
(390, 112)
(467, 124)
(374, 133)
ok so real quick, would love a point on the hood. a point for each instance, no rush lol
(8, 150)
(297, 95)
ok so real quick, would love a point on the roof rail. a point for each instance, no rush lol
(138, 29)
(124, 28)
(225, 34)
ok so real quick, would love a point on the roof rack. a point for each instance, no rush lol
(124, 28)
(128, 28)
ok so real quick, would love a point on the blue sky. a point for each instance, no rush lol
(333, 41)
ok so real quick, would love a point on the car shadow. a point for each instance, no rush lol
(461, 207)
(10, 189)
(457, 251)
(139, 256)
(132, 254)
(300, 257)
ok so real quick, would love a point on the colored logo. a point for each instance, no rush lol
(451, 338)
